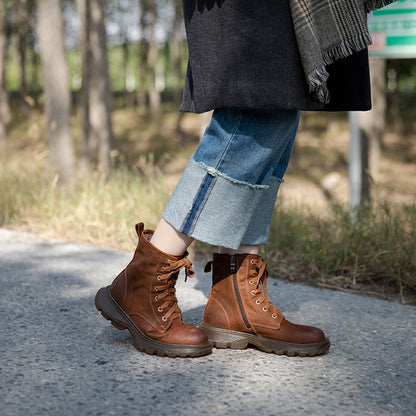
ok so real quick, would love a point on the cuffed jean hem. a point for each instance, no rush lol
(244, 219)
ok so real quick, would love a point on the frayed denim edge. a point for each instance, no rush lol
(216, 172)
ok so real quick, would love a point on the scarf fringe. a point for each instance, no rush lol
(347, 48)
(316, 80)
(318, 77)
(312, 34)
(371, 5)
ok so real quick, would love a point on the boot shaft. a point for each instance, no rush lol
(145, 289)
(223, 307)
(141, 274)
(239, 299)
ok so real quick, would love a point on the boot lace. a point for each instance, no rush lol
(165, 287)
(258, 277)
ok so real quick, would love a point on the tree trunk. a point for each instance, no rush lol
(100, 108)
(176, 58)
(20, 13)
(372, 123)
(154, 93)
(126, 72)
(34, 80)
(56, 88)
(142, 52)
(394, 106)
(4, 99)
(176, 53)
(85, 50)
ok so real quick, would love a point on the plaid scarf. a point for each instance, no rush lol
(327, 30)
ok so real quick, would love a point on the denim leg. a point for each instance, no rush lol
(227, 192)
(255, 235)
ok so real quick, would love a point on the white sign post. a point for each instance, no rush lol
(393, 30)
(355, 164)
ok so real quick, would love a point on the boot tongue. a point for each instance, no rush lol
(263, 274)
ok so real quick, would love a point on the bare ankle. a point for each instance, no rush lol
(170, 241)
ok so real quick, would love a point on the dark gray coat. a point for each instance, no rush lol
(243, 53)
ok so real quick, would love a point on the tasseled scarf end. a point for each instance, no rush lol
(318, 77)
(316, 80)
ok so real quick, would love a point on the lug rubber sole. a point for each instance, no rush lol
(112, 311)
(225, 338)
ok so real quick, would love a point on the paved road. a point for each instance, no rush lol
(60, 357)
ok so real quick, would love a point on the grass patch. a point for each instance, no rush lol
(376, 254)
(92, 211)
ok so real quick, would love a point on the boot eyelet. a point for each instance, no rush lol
(251, 282)
(156, 288)
(265, 309)
(252, 272)
(156, 298)
(168, 261)
(158, 278)
(274, 316)
(253, 292)
(164, 319)
(162, 268)
(258, 302)
(252, 261)
(159, 309)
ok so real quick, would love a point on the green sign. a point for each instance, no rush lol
(393, 29)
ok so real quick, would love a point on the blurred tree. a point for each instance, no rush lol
(372, 123)
(148, 59)
(4, 98)
(21, 27)
(85, 51)
(123, 9)
(34, 83)
(125, 46)
(56, 88)
(176, 56)
(396, 67)
(176, 52)
(33, 68)
(152, 58)
(143, 53)
(101, 135)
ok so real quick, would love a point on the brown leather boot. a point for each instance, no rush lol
(142, 299)
(239, 311)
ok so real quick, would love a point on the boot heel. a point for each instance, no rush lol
(118, 326)
(225, 338)
(107, 309)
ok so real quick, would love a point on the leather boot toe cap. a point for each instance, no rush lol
(196, 336)
(300, 334)
(187, 334)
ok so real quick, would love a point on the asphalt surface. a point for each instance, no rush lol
(60, 357)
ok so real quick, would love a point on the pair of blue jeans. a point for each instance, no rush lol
(227, 193)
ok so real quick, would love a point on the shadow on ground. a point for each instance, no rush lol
(59, 356)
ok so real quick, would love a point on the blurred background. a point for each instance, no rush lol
(91, 141)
